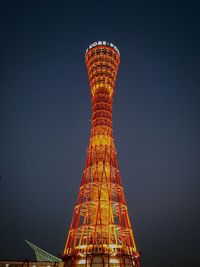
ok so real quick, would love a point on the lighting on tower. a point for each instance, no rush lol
(100, 233)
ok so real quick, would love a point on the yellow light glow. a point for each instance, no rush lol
(82, 261)
(81, 246)
(114, 260)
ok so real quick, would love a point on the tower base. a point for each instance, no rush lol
(100, 260)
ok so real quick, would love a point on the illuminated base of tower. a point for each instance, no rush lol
(99, 260)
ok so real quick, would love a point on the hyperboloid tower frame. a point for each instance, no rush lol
(100, 233)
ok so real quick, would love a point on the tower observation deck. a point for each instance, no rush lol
(100, 233)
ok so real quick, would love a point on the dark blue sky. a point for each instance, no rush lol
(45, 113)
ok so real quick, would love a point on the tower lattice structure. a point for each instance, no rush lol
(100, 233)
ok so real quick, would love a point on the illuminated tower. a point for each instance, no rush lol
(100, 233)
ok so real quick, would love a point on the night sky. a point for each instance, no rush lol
(45, 113)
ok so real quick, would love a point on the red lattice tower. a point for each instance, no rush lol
(100, 233)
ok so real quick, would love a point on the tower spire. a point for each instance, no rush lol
(100, 230)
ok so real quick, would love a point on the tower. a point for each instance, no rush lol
(100, 233)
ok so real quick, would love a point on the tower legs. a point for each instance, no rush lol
(101, 260)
